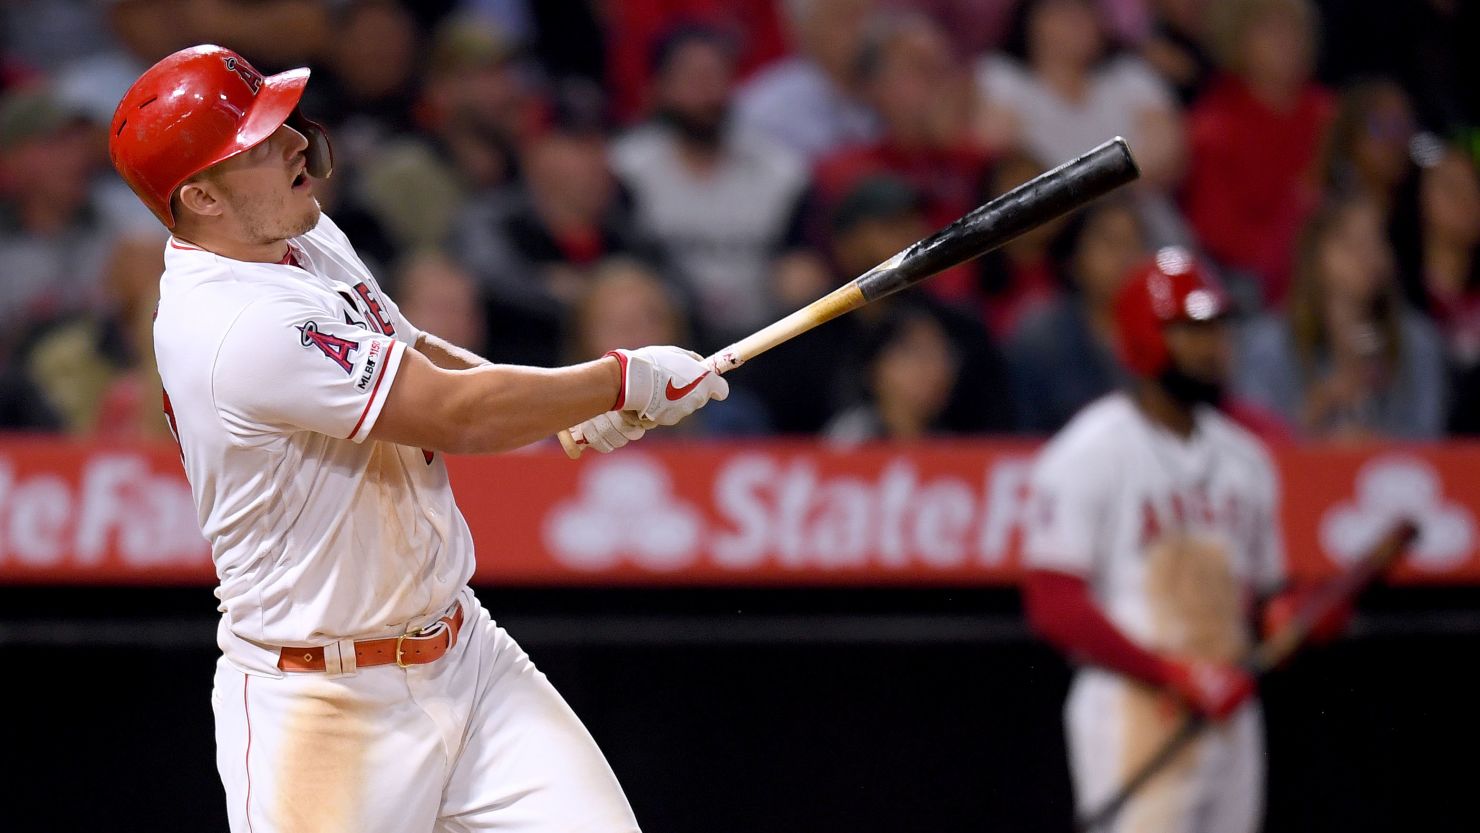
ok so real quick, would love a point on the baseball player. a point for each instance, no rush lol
(1152, 527)
(362, 686)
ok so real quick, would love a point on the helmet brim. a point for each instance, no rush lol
(276, 101)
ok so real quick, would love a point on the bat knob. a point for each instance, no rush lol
(573, 447)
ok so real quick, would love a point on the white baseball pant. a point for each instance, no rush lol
(1218, 788)
(476, 741)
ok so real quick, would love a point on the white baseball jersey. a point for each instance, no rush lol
(1173, 536)
(274, 375)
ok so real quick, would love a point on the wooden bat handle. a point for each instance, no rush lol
(842, 300)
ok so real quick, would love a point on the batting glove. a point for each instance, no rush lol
(609, 431)
(1212, 689)
(662, 385)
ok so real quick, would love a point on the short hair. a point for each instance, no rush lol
(1231, 21)
(667, 46)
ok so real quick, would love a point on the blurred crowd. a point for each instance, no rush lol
(544, 181)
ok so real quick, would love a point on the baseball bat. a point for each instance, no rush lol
(1265, 657)
(990, 225)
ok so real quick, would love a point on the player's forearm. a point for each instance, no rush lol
(492, 407)
(447, 355)
(505, 407)
(1060, 610)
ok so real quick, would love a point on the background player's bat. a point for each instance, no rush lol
(1035, 202)
(1265, 657)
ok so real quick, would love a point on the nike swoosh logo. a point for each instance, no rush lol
(674, 394)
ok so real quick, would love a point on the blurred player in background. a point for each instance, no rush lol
(362, 686)
(1152, 529)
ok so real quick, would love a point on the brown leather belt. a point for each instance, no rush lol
(427, 644)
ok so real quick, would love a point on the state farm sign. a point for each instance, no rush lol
(725, 514)
(764, 512)
(104, 516)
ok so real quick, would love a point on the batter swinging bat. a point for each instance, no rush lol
(1265, 657)
(1035, 202)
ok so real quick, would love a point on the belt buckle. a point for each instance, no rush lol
(401, 663)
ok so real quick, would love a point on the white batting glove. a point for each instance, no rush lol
(609, 431)
(662, 385)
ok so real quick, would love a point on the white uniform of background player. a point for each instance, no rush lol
(362, 687)
(1174, 535)
(1114, 493)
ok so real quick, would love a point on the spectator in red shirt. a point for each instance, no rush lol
(635, 27)
(1255, 138)
(923, 100)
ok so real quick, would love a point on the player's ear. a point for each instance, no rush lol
(199, 197)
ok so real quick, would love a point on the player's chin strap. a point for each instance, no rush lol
(319, 156)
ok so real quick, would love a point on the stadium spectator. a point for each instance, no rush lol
(805, 382)
(1438, 246)
(909, 75)
(1256, 138)
(142, 32)
(1022, 275)
(1349, 359)
(278, 34)
(367, 91)
(439, 296)
(627, 303)
(1437, 231)
(54, 234)
(532, 247)
(910, 369)
(721, 205)
(44, 37)
(810, 101)
(1176, 46)
(478, 101)
(1425, 45)
(128, 405)
(635, 28)
(1367, 149)
(1063, 355)
(476, 105)
(1062, 87)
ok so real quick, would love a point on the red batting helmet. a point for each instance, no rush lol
(1173, 286)
(201, 106)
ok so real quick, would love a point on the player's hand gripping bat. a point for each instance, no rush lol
(1265, 657)
(1035, 202)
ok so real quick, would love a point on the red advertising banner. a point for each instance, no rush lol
(723, 514)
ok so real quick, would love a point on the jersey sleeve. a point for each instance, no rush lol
(287, 364)
(1068, 496)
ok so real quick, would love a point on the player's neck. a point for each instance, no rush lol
(272, 252)
(1163, 409)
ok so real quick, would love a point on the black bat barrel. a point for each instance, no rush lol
(1037, 201)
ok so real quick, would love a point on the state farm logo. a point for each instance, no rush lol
(115, 510)
(767, 511)
(1391, 488)
(626, 506)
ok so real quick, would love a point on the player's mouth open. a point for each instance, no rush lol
(300, 182)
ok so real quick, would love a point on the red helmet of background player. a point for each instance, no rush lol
(1172, 286)
(201, 106)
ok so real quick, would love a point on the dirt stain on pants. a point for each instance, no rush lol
(322, 768)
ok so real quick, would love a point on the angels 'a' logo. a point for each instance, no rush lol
(249, 75)
(336, 348)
